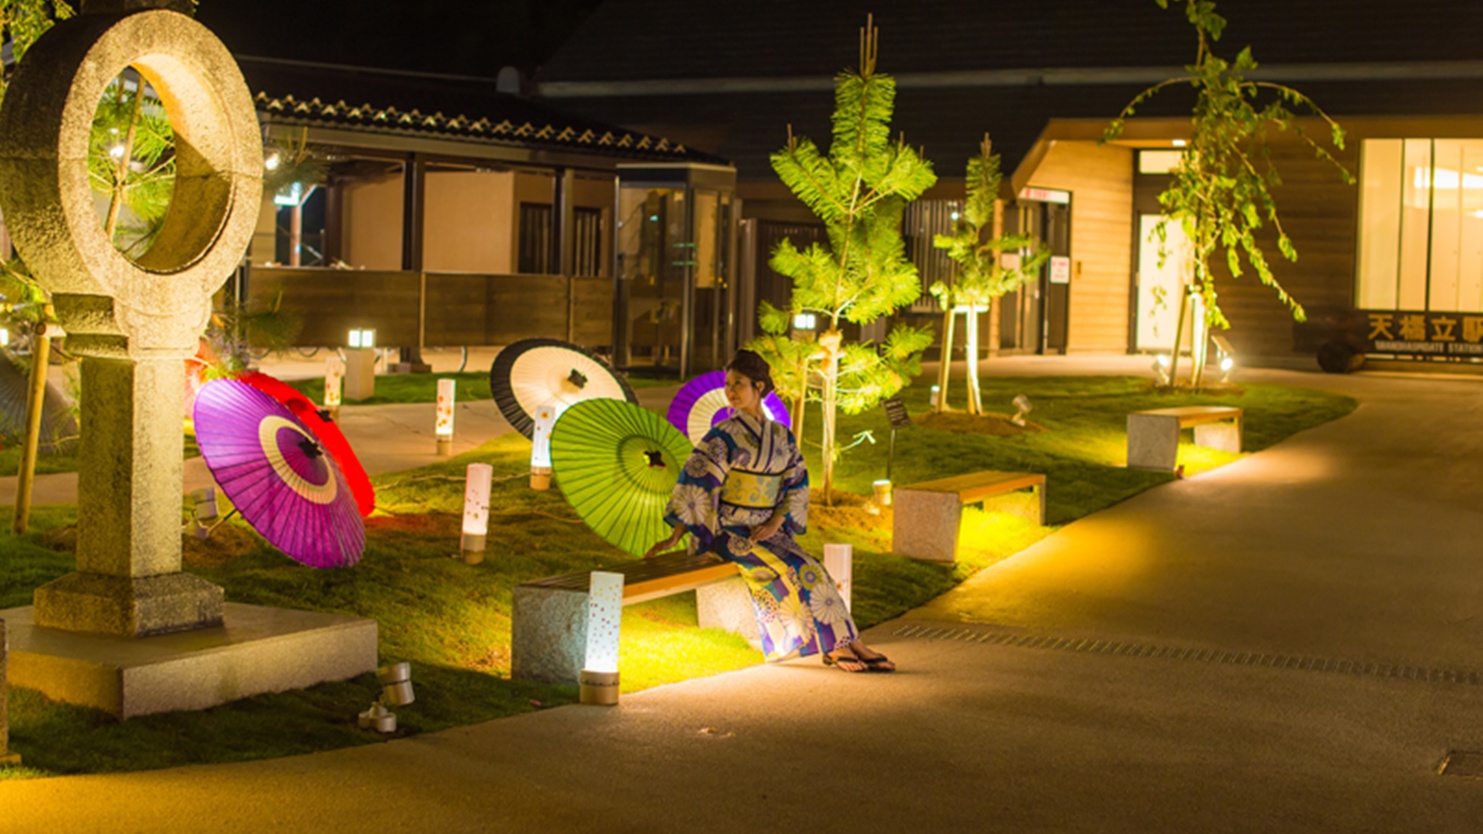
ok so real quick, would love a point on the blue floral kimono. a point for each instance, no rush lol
(742, 472)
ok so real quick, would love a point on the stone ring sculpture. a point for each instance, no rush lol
(111, 305)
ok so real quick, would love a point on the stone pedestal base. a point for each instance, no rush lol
(128, 607)
(727, 605)
(256, 650)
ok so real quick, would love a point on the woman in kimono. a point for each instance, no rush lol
(743, 495)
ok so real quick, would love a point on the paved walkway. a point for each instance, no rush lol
(1289, 643)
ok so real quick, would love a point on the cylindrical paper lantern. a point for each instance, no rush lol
(476, 512)
(839, 563)
(444, 426)
(540, 447)
(599, 678)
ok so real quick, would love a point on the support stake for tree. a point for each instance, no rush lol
(35, 400)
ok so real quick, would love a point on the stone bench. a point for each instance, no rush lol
(1153, 436)
(548, 618)
(925, 522)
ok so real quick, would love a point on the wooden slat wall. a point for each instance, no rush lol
(1100, 179)
(1319, 212)
(460, 309)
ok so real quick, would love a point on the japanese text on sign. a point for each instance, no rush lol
(1450, 334)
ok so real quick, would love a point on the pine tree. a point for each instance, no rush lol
(859, 190)
(1220, 194)
(981, 275)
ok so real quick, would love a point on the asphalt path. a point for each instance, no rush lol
(1288, 643)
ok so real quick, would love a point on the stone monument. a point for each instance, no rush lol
(133, 322)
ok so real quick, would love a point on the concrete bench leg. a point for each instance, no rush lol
(6, 757)
(727, 605)
(924, 525)
(1223, 436)
(1027, 505)
(1153, 442)
(548, 634)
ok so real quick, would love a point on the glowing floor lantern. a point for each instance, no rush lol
(599, 678)
(839, 563)
(476, 512)
(444, 426)
(334, 377)
(540, 446)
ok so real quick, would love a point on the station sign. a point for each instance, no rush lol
(1427, 334)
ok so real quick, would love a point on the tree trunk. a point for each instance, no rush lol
(831, 344)
(949, 318)
(975, 399)
(1178, 336)
(35, 402)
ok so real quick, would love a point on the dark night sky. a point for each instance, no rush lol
(463, 37)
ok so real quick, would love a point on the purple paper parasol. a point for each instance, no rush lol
(701, 403)
(278, 476)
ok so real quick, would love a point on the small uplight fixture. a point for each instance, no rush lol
(272, 161)
(1022, 407)
(4, 337)
(540, 447)
(1161, 369)
(934, 395)
(1227, 364)
(599, 678)
(203, 510)
(839, 563)
(443, 428)
(396, 691)
(805, 321)
(363, 338)
(882, 489)
(477, 482)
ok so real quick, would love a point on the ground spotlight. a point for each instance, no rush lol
(396, 691)
(1161, 369)
(1022, 406)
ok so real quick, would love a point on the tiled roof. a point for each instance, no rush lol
(457, 108)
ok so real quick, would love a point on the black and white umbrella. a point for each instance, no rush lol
(538, 372)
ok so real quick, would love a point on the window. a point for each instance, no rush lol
(534, 252)
(922, 220)
(587, 228)
(1421, 225)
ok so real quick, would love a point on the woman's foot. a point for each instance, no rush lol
(874, 661)
(845, 662)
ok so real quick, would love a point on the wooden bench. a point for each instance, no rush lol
(1153, 436)
(548, 618)
(925, 522)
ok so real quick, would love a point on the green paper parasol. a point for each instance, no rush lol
(617, 464)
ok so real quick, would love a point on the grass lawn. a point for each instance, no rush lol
(451, 620)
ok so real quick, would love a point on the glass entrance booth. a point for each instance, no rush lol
(674, 299)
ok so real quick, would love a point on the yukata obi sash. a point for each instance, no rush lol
(752, 490)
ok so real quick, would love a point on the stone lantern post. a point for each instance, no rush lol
(132, 321)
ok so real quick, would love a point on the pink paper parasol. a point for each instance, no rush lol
(278, 475)
(701, 403)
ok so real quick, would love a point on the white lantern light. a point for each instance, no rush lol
(476, 512)
(839, 563)
(334, 376)
(4, 337)
(599, 678)
(444, 426)
(540, 447)
(362, 338)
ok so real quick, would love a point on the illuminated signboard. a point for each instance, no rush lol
(1433, 334)
(1046, 195)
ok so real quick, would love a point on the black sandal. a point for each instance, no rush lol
(846, 663)
(879, 663)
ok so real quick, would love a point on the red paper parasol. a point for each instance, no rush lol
(278, 475)
(325, 431)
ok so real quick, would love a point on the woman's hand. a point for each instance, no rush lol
(767, 529)
(667, 544)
